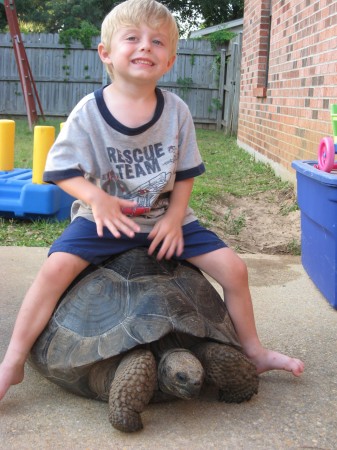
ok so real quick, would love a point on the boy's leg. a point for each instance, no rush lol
(56, 274)
(230, 272)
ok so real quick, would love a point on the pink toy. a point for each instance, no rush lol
(326, 155)
(328, 146)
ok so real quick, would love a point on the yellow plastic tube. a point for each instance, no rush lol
(7, 138)
(44, 137)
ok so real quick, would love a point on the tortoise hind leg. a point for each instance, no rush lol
(131, 390)
(228, 369)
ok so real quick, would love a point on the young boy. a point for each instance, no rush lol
(128, 153)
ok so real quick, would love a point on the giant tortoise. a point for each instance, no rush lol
(136, 330)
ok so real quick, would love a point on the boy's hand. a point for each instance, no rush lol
(169, 233)
(107, 211)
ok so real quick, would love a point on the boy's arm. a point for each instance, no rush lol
(106, 209)
(168, 230)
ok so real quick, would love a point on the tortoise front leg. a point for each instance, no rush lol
(228, 369)
(131, 390)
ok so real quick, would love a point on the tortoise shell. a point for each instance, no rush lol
(130, 300)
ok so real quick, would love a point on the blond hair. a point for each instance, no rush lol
(138, 12)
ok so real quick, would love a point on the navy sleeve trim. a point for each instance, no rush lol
(58, 175)
(190, 173)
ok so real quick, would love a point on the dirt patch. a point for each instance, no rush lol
(267, 222)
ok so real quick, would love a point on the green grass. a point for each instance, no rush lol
(39, 233)
(229, 169)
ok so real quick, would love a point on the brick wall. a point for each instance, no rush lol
(288, 79)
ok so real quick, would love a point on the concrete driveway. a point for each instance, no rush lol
(288, 412)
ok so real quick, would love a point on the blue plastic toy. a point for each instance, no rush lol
(22, 191)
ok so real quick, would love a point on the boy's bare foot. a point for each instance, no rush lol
(271, 360)
(9, 375)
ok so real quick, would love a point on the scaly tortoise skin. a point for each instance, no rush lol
(136, 330)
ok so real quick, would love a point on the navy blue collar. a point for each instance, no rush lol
(118, 126)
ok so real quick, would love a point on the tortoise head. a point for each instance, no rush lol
(180, 374)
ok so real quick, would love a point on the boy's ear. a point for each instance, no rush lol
(171, 62)
(103, 54)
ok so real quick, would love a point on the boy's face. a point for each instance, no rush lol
(139, 53)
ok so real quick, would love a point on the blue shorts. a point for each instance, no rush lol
(80, 238)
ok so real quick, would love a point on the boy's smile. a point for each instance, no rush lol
(143, 61)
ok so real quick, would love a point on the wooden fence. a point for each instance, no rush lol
(63, 77)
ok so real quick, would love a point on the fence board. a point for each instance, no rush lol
(232, 86)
